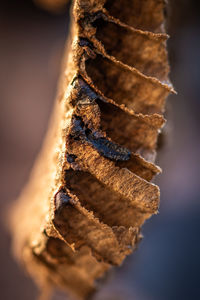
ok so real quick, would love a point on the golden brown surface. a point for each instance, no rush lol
(90, 190)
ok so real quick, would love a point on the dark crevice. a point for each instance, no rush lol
(109, 149)
(85, 43)
(105, 147)
(89, 18)
(62, 200)
(83, 94)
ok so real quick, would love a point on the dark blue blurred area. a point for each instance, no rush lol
(167, 263)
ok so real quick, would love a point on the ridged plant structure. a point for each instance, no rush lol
(90, 190)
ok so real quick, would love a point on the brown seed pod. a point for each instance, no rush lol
(90, 190)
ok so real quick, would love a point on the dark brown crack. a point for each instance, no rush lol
(105, 147)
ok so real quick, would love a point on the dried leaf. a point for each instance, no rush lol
(90, 190)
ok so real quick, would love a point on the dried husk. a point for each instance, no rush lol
(91, 188)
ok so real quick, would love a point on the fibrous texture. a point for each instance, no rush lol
(90, 190)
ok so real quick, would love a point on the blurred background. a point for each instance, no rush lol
(167, 265)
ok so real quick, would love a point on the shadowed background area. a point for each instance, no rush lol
(168, 262)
